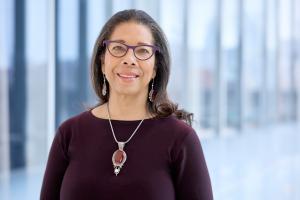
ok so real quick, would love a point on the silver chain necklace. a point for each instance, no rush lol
(119, 156)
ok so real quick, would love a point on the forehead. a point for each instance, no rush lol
(132, 33)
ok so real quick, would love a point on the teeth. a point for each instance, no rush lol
(127, 76)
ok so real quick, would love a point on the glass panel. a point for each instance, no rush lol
(297, 55)
(271, 61)
(23, 84)
(230, 53)
(95, 20)
(17, 90)
(121, 5)
(6, 53)
(37, 87)
(174, 30)
(67, 60)
(202, 48)
(253, 62)
(284, 82)
(151, 7)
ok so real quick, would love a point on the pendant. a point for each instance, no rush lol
(119, 157)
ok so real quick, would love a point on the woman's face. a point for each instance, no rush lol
(128, 75)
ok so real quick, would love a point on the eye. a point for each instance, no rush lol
(118, 48)
(143, 50)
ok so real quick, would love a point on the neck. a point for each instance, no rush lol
(124, 107)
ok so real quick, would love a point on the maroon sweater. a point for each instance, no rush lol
(164, 161)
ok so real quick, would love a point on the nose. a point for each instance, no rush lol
(129, 58)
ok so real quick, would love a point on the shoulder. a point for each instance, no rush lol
(178, 127)
(74, 120)
(71, 125)
(69, 129)
(175, 130)
(181, 135)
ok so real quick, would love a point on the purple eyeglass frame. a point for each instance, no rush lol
(155, 48)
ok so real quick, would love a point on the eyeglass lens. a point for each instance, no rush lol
(141, 52)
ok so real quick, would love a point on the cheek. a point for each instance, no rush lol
(148, 73)
(151, 68)
(107, 59)
(109, 62)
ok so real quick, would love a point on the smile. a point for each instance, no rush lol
(127, 77)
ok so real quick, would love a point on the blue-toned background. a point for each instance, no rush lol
(235, 64)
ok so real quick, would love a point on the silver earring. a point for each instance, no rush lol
(151, 92)
(104, 89)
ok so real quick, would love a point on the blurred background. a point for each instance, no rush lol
(234, 64)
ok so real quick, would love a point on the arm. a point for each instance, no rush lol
(191, 176)
(55, 170)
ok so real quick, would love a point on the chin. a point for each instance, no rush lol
(127, 92)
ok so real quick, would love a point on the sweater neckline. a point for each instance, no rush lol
(89, 112)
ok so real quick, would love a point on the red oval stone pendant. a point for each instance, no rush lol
(119, 157)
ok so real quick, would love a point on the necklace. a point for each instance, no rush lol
(119, 156)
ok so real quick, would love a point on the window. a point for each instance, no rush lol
(252, 63)
(271, 47)
(285, 96)
(174, 30)
(230, 65)
(202, 59)
(36, 65)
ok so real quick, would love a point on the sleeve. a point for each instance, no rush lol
(191, 178)
(56, 166)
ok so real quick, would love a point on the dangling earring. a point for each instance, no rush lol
(151, 91)
(104, 89)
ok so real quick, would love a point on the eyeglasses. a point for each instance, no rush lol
(141, 52)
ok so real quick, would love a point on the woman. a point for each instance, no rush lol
(135, 144)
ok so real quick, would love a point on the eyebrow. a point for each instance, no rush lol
(139, 43)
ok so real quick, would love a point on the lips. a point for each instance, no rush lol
(127, 75)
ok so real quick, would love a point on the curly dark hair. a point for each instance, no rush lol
(161, 106)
